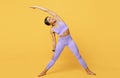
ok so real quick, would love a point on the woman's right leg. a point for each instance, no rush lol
(59, 48)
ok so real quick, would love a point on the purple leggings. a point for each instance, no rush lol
(62, 42)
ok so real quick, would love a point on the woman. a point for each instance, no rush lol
(59, 27)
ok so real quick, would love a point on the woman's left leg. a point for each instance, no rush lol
(73, 47)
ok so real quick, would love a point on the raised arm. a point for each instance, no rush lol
(48, 11)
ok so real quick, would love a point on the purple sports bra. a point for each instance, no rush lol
(61, 28)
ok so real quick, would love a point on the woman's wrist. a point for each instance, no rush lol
(53, 50)
(42, 8)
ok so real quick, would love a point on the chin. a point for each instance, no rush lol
(54, 21)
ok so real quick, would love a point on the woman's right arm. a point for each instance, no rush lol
(53, 39)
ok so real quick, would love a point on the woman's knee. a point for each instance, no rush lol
(78, 56)
(54, 58)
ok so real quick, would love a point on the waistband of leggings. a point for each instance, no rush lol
(65, 36)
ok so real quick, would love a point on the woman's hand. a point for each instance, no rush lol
(52, 56)
(39, 7)
(34, 7)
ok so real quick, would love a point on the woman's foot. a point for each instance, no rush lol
(42, 74)
(89, 72)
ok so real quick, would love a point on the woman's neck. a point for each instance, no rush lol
(54, 24)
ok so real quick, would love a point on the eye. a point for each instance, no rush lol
(48, 19)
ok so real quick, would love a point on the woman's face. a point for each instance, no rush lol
(51, 20)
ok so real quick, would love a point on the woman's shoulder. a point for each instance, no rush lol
(51, 29)
(62, 23)
(59, 22)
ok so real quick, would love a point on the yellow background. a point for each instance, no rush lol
(25, 42)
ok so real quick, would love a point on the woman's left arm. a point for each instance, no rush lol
(48, 11)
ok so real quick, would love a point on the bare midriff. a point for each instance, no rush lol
(67, 32)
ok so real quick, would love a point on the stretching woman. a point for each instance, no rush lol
(59, 27)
